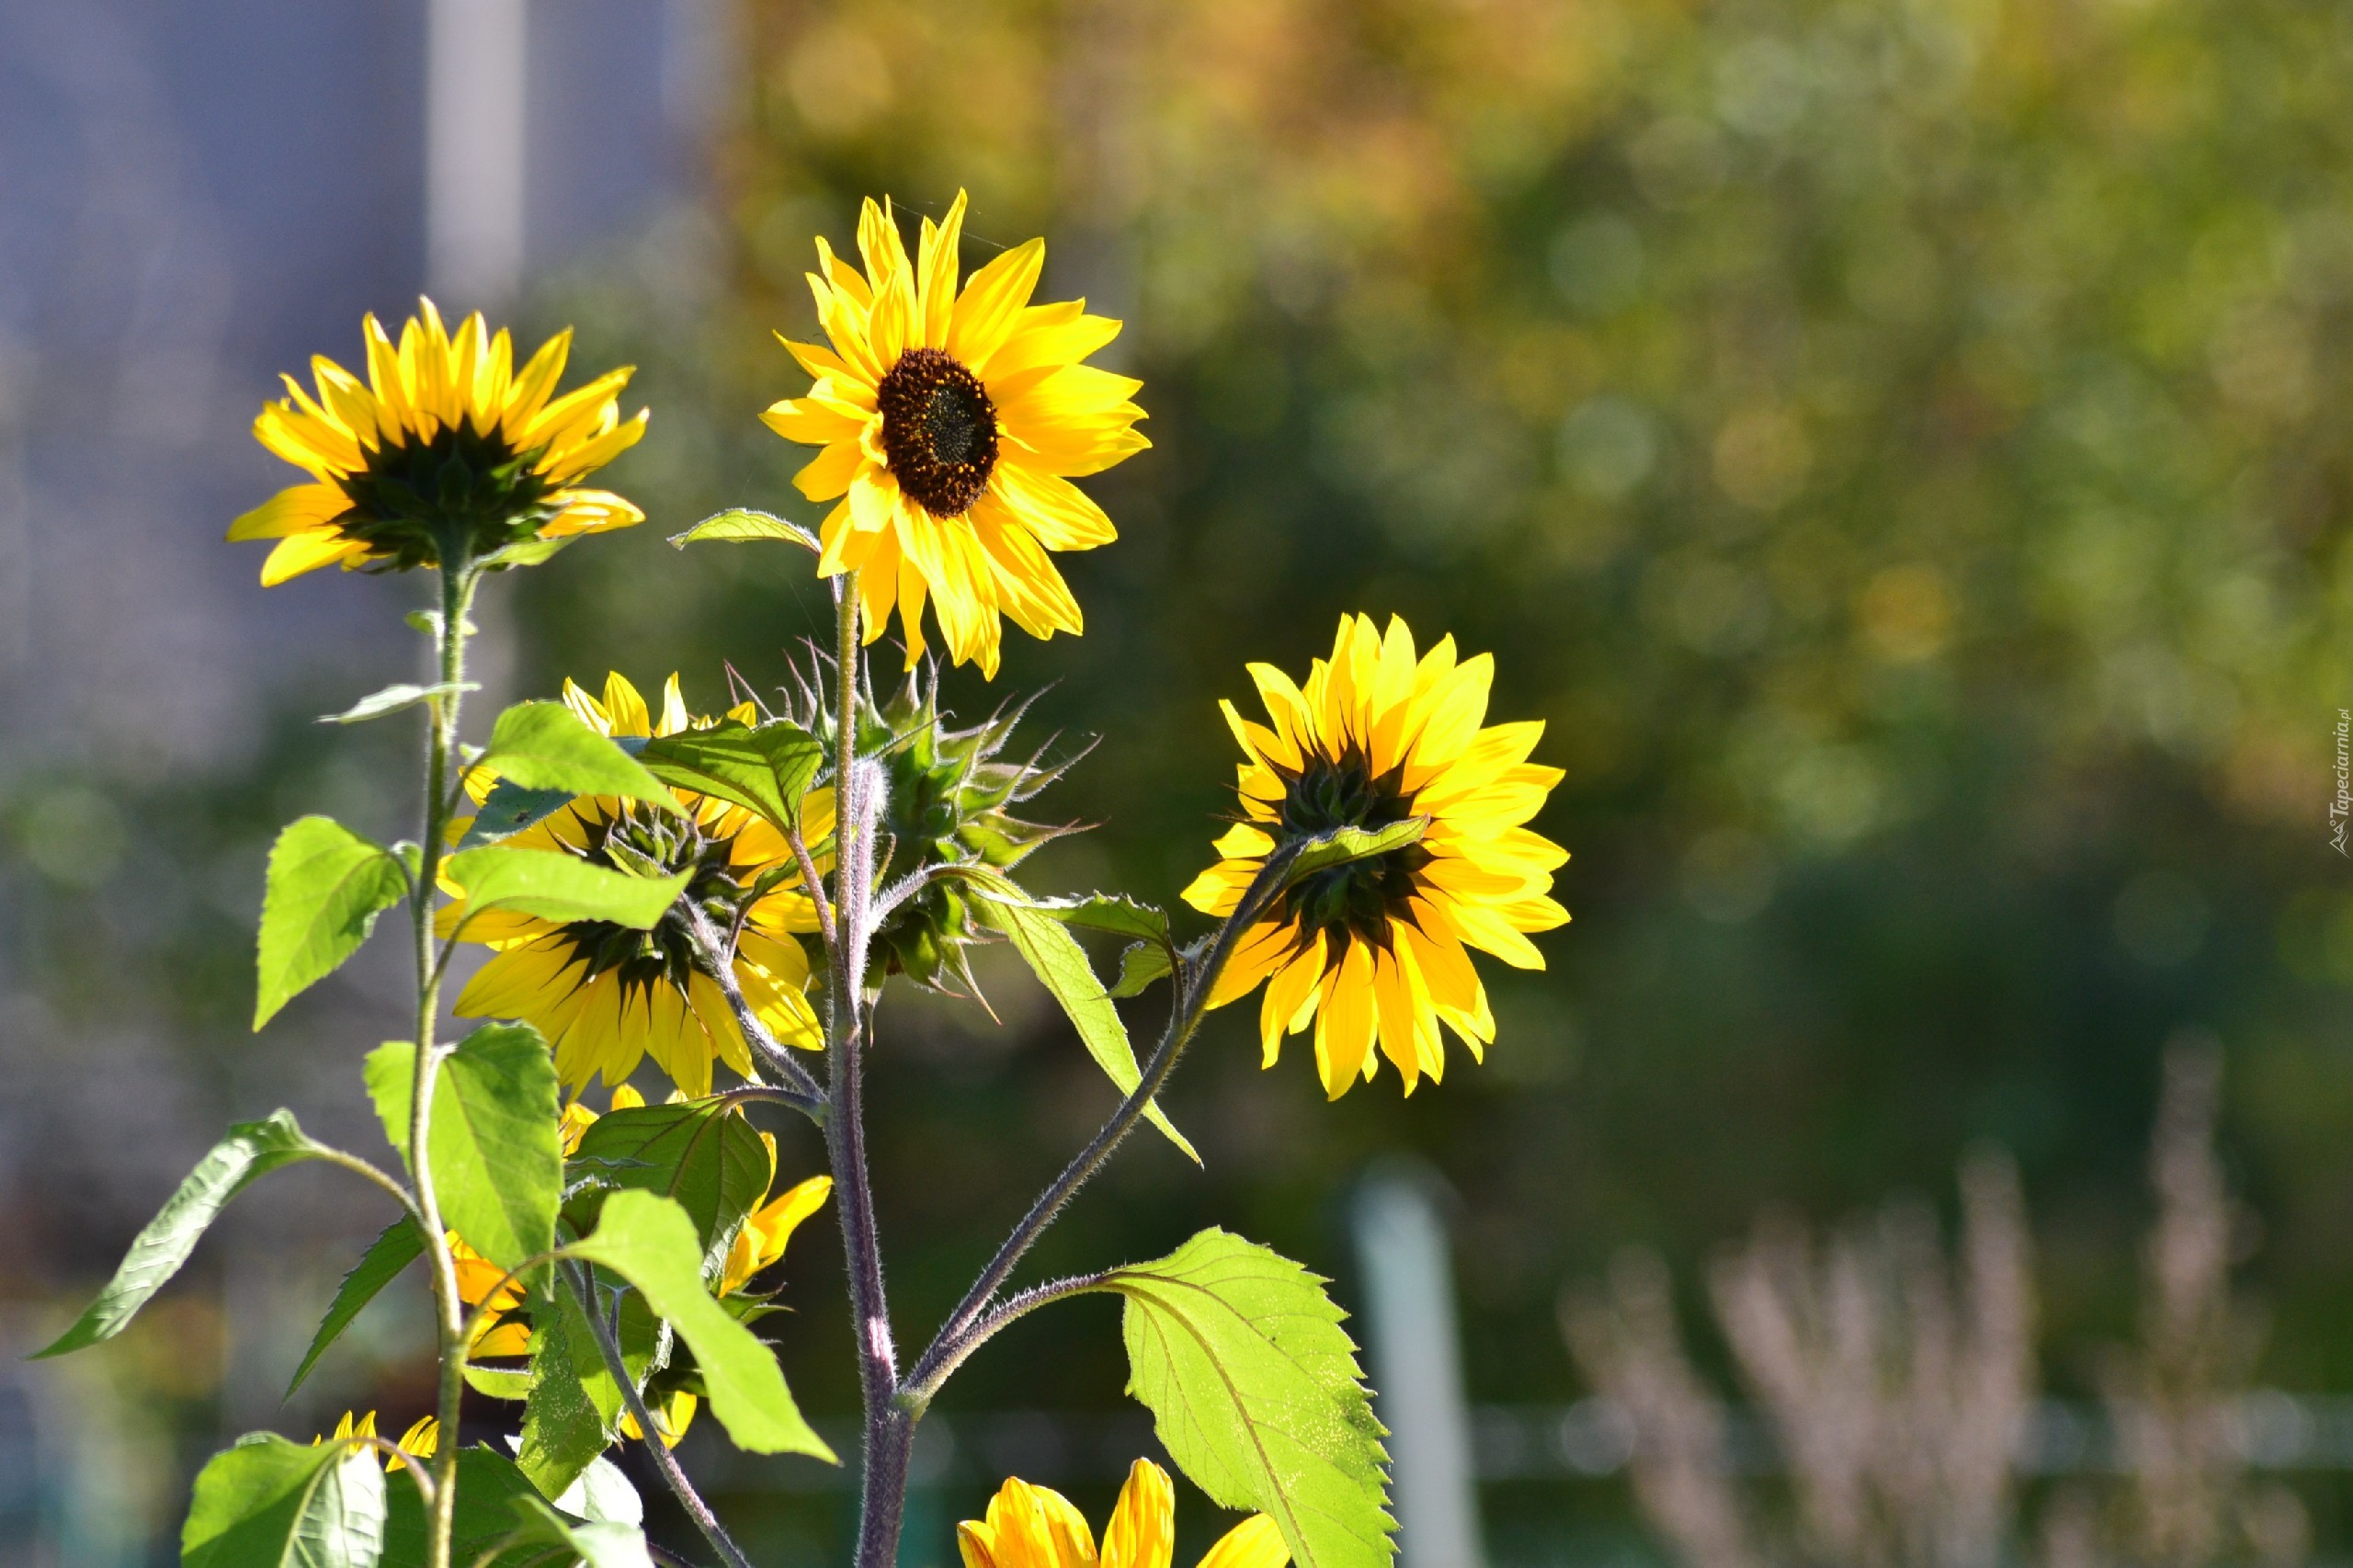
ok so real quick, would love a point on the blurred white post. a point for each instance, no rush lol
(1417, 1369)
(474, 131)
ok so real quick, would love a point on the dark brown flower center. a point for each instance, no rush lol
(938, 430)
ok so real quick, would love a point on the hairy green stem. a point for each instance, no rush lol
(457, 577)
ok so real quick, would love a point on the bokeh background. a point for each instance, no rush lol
(1898, 448)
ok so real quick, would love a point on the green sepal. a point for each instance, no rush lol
(326, 887)
(252, 1149)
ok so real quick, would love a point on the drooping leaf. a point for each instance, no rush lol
(489, 1485)
(742, 524)
(1140, 964)
(1342, 845)
(546, 746)
(509, 809)
(252, 1149)
(498, 1382)
(1060, 963)
(702, 1154)
(651, 1242)
(326, 885)
(393, 699)
(267, 1503)
(401, 1244)
(1255, 1391)
(601, 1543)
(498, 1165)
(557, 886)
(765, 769)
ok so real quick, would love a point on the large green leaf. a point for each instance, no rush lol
(741, 525)
(649, 1241)
(545, 746)
(401, 1244)
(558, 886)
(252, 1149)
(498, 1165)
(1056, 958)
(326, 887)
(765, 769)
(702, 1154)
(267, 1503)
(1255, 1391)
(489, 1487)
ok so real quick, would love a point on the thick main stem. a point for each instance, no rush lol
(457, 578)
(889, 1428)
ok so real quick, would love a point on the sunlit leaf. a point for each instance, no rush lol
(741, 525)
(558, 886)
(546, 746)
(651, 1242)
(326, 887)
(393, 699)
(267, 1503)
(401, 1244)
(764, 768)
(497, 1165)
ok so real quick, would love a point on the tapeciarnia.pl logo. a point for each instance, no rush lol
(2341, 808)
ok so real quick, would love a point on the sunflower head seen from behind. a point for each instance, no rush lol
(607, 996)
(1374, 949)
(1035, 1526)
(447, 454)
(951, 424)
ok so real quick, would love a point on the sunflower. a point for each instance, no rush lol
(422, 1440)
(605, 997)
(446, 448)
(1030, 1527)
(952, 425)
(1375, 947)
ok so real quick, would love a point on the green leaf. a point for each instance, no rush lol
(545, 746)
(558, 886)
(603, 1492)
(1342, 845)
(498, 1382)
(497, 1165)
(509, 809)
(1060, 963)
(1139, 965)
(389, 1073)
(1255, 1393)
(702, 1154)
(528, 552)
(252, 1149)
(488, 1488)
(596, 1544)
(651, 1242)
(393, 699)
(1115, 913)
(741, 525)
(326, 886)
(765, 769)
(564, 1427)
(267, 1503)
(401, 1244)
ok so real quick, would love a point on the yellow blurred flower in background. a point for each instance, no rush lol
(445, 445)
(1375, 947)
(1032, 1526)
(605, 996)
(951, 425)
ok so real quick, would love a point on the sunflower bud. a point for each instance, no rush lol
(949, 801)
